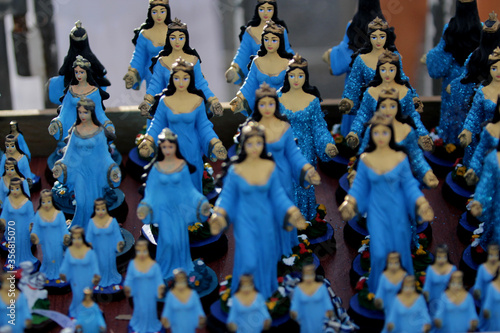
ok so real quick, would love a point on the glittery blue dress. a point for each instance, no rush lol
(289, 164)
(23, 313)
(141, 58)
(253, 81)
(483, 278)
(174, 204)
(461, 94)
(51, 236)
(79, 273)
(387, 213)
(257, 212)
(310, 130)
(482, 110)
(486, 144)
(455, 318)
(492, 304)
(91, 318)
(408, 319)
(183, 317)
(435, 284)
(105, 241)
(144, 292)
(251, 318)
(387, 292)
(249, 46)
(311, 309)
(194, 132)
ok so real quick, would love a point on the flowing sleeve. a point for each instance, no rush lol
(471, 307)
(410, 187)
(99, 317)
(486, 144)
(320, 133)
(355, 83)
(200, 81)
(160, 120)
(408, 108)
(249, 87)
(361, 187)
(263, 307)
(340, 56)
(230, 195)
(392, 316)
(365, 113)
(242, 57)
(425, 318)
(295, 304)
(36, 225)
(140, 58)
(489, 301)
(150, 195)
(23, 307)
(66, 268)
(23, 146)
(158, 80)
(439, 62)
(205, 130)
(24, 167)
(403, 75)
(295, 158)
(441, 307)
(427, 284)
(158, 275)
(279, 199)
(418, 164)
(56, 89)
(486, 187)
(476, 115)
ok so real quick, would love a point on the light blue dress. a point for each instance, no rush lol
(387, 292)
(183, 317)
(90, 318)
(492, 304)
(455, 318)
(141, 58)
(387, 214)
(23, 146)
(311, 309)
(105, 241)
(340, 57)
(22, 313)
(79, 273)
(144, 291)
(194, 132)
(442, 65)
(22, 164)
(310, 130)
(251, 318)
(249, 46)
(289, 164)
(483, 279)
(257, 212)
(51, 237)
(435, 285)
(4, 190)
(408, 319)
(174, 204)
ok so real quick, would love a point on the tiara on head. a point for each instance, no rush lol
(466, 1)
(380, 119)
(78, 25)
(177, 25)
(378, 24)
(265, 90)
(389, 93)
(495, 55)
(182, 65)
(252, 128)
(297, 62)
(10, 138)
(86, 102)
(263, 1)
(15, 181)
(388, 56)
(493, 17)
(273, 28)
(167, 134)
(81, 61)
(158, 2)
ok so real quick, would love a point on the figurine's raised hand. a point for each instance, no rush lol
(205, 209)
(146, 148)
(53, 128)
(348, 208)
(127, 291)
(430, 179)
(57, 171)
(424, 210)
(115, 175)
(486, 314)
(237, 104)
(390, 327)
(473, 325)
(219, 150)
(352, 140)
(331, 150)
(312, 176)
(217, 221)
(379, 303)
(62, 277)
(232, 327)
(215, 106)
(448, 89)
(142, 212)
(345, 105)
(34, 239)
(476, 209)
(66, 240)
(423, 59)
(426, 143)
(419, 106)
(295, 219)
(120, 246)
(465, 138)
(232, 73)
(161, 291)
(131, 78)
(326, 56)
(165, 322)
(471, 178)
(96, 279)
(144, 108)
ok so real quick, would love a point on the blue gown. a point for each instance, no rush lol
(253, 81)
(387, 292)
(310, 129)
(486, 144)
(289, 164)
(4, 190)
(183, 317)
(88, 164)
(90, 318)
(79, 273)
(387, 213)
(340, 57)
(408, 319)
(23, 312)
(19, 231)
(194, 132)
(492, 304)
(435, 285)
(455, 318)
(311, 309)
(251, 318)
(141, 58)
(104, 241)
(144, 291)
(22, 164)
(442, 65)
(257, 212)
(482, 110)
(483, 278)
(174, 204)
(461, 94)
(23, 146)
(51, 236)
(249, 46)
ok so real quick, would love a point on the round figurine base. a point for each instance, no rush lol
(129, 330)
(455, 194)
(342, 189)
(324, 245)
(17, 271)
(335, 167)
(354, 233)
(440, 166)
(468, 266)
(41, 324)
(211, 294)
(367, 320)
(55, 288)
(135, 164)
(466, 226)
(356, 271)
(37, 184)
(51, 160)
(123, 258)
(210, 249)
(113, 293)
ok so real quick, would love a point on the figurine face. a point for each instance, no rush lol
(456, 281)
(10, 147)
(159, 13)
(80, 74)
(181, 80)
(267, 107)
(409, 284)
(177, 40)
(389, 107)
(493, 254)
(388, 72)
(84, 114)
(297, 77)
(441, 258)
(10, 171)
(13, 128)
(141, 251)
(15, 191)
(377, 39)
(393, 261)
(381, 135)
(271, 42)
(180, 280)
(266, 12)
(47, 202)
(77, 239)
(254, 146)
(168, 148)
(246, 283)
(495, 71)
(101, 210)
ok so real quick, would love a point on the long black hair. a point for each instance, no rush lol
(490, 78)
(255, 21)
(257, 116)
(496, 116)
(368, 10)
(392, 142)
(89, 105)
(377, 79)
(17, 181)
(99, 201)
(80, 230)
(307, 88)
(12, 161)
(368, 47)
(282, 52)
(464, 31)
(405, 119)
(149, 23)
(12, 138)
(45, 193)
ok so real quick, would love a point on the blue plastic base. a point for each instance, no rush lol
(439, 166)
(367, 320)
(468, 266)
(221, 316)
(465, 229)
(454, 193)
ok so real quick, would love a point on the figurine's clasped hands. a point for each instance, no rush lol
(96, 279)
(465, 138)
(331, 150)
(120, 246)
(419, 106)
(352, 140)
(53, 128)
(426, 142)
(115, 175)
(144, 108)
(34, 239)
(471, 178)
(57, 171)
(326, 56)
(346, 105)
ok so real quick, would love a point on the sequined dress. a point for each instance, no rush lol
(486, 144)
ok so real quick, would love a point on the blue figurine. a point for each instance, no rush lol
(182, 312)
(13, 150)
(79, 267)
(269, 66)
(51, 231)
(250, 40)
(171, 202)
(182, 109)
(489, 317)
(447, 61)
(144, 283)
(253, 200)
(486, 272)
(11, 170)
(389, 283)
(385, 189)
(89, 317)
(148, 40)
(248, 312)
(300, 104)
(15, 318)
(23, 146)
(87, 167)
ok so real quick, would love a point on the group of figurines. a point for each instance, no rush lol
(268, 185)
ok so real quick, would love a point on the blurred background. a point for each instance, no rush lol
(34, 38)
